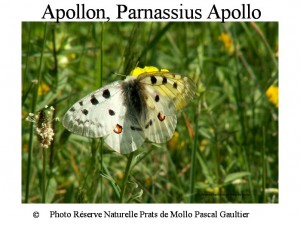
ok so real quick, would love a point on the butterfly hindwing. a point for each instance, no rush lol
(127, 136)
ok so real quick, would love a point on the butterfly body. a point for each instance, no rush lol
(127, 112)
(134, 95)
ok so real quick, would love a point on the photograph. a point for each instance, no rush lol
(150, 112)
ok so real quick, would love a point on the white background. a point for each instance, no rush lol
(14, 212)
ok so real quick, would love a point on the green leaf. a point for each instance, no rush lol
(51, 189)
(234, 176)
(136, 196)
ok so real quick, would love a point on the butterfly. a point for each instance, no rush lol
(127, 112)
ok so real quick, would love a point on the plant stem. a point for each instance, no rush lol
(193, 157)
(113, 184)
(263, 161)
(33, 108)
(263, 38)
(126, 176)
(44, 175)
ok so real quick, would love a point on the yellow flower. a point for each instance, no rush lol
(43, 89)
(147, 69)
(203, 145)
(214, 190)
(272, 95)
(175, 143)
(227, 41)
(120, 174)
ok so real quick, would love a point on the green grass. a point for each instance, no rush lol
(232, 155)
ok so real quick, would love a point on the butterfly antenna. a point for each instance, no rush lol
(136, 65)
(138, 61)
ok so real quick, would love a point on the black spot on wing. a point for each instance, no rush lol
(157, 98)
(106, 93)
(136, 128)
(175, 85)
(111, 112)
(148, 124)
(164, 81)
(72, 109)
(153, 79)
(81, 103)
(79, 122)
(85, 111)
(94, 101)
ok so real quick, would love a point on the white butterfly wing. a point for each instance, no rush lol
(160, 122)
(92, 116)
(166, 94)
(131, 136)
(103, 114)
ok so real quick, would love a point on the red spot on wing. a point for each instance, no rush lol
(161, 116)
(118, 129)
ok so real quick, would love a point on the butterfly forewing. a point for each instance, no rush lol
(180, 90)
(166, 93)
(86, 117)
